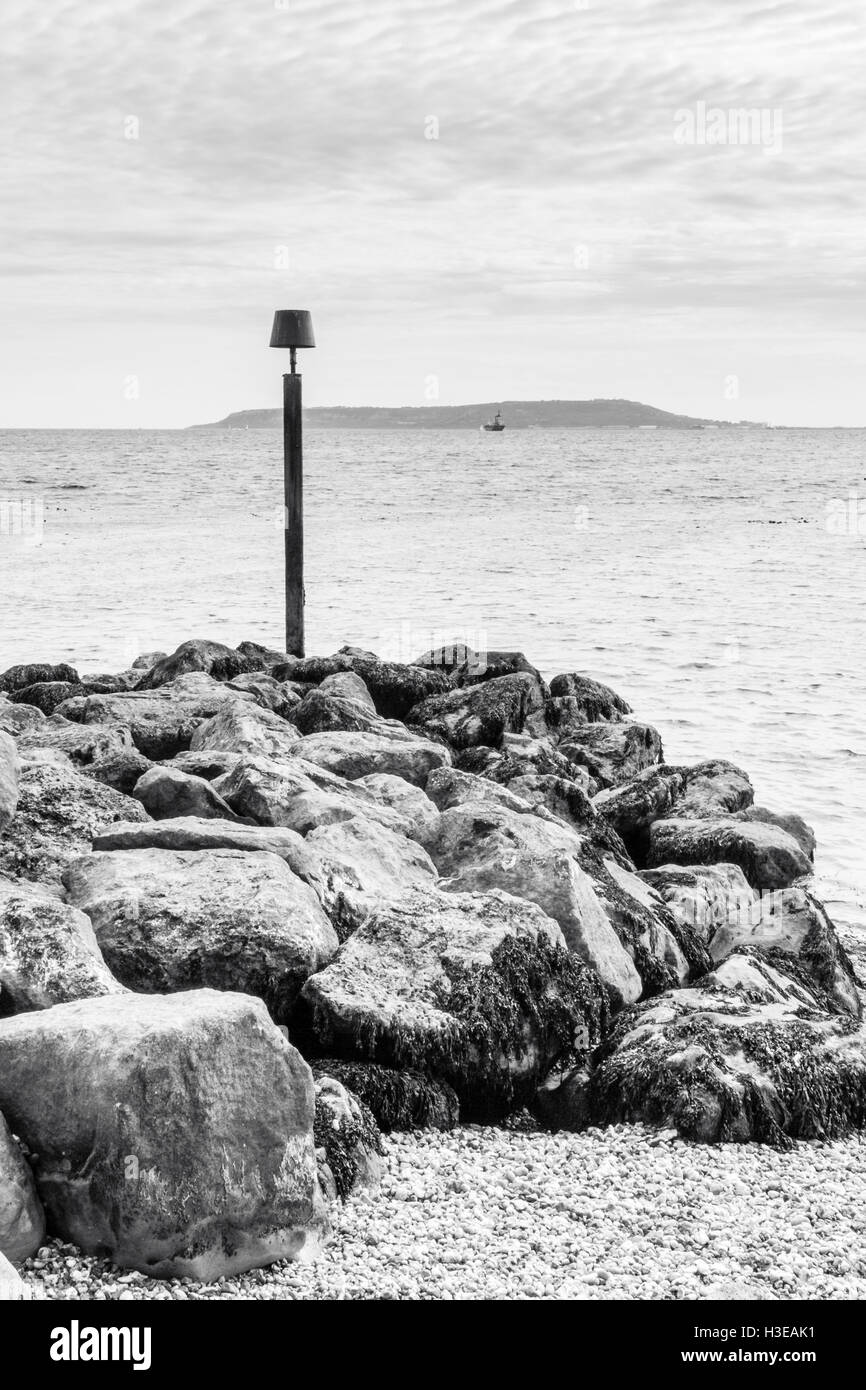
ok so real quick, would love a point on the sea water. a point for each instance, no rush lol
(715, 578)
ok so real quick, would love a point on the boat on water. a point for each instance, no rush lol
(494, 426)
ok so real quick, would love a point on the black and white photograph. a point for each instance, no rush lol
(432, 666)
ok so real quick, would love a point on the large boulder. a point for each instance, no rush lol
(276, 696)
(476, 989)
(704, 896)
(169, 920)
(482, 714)
(103, 751)
(363, 865)
(48, 952)
(394, 688)
(166, 793)
(665, 952)
(213, 658)
(392, 749)
(58, 812)
(18, 719)
(300, 795)
(749, 1053)
(631, 808)
(612, 753)
(450, 786)
(482, 846)
(793, 925)
(346, 1131)
(8, 779)
(162, 721)
(188, 1151)
(417, 812)
(47, 695)
(488, 666)
(22, 1220)
(18, 677)
(788, 821)
(590, 701)
(248, 730)
(321, 711)
(770, 858)
(713, 789)
(194, 833)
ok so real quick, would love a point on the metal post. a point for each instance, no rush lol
(294, 514)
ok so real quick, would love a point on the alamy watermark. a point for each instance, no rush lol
(22, 519)
(760, 126)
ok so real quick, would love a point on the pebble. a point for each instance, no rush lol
(485, 1213)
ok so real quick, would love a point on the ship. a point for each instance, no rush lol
(494, 426)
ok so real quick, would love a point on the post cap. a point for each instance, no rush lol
(293, 328)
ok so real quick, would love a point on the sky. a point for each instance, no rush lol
(477, 200)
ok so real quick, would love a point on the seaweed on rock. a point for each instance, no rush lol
(397, 1099)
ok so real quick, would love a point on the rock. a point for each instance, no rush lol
(417, 812)
(209, 763)
(487, 666)
(58, 812)
(793, 824)
(276, 696)
(103, 751)
(266, 658)
(213, 658)
(363, 866)
(48, 952)
(300, 795)
(348, 685)
(106, 682)
(792, 923)
(477, 990)
(704, 897)
(12, 1286)
(632, 807)
(47, 695)
(8, 780)
(192, 833)
(747, 1054)
(18, 719)
(18, 677)
(22, 1220)
(165, 793)
(713, 789)
(481, 714)
(394, 688)
(398, 1099)
(596, 702)
(320, 712)
(449, 787)
(246, 729)
(346, 1130)
(481, 847)
(769, 857)
(447, 659)
(613, 753)
(146, 660)
(392, 750)
(189, 1150)
(163, 721)
(227, 919)
(665, 952)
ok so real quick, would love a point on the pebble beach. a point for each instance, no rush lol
(621, 1213)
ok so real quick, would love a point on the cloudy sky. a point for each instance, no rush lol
(480, 198)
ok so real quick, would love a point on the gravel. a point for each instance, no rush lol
(621, 1213)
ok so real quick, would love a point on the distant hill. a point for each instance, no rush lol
(516, 415)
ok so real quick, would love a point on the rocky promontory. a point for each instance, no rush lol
(258, 911)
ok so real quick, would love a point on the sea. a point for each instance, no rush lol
(714, 577)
